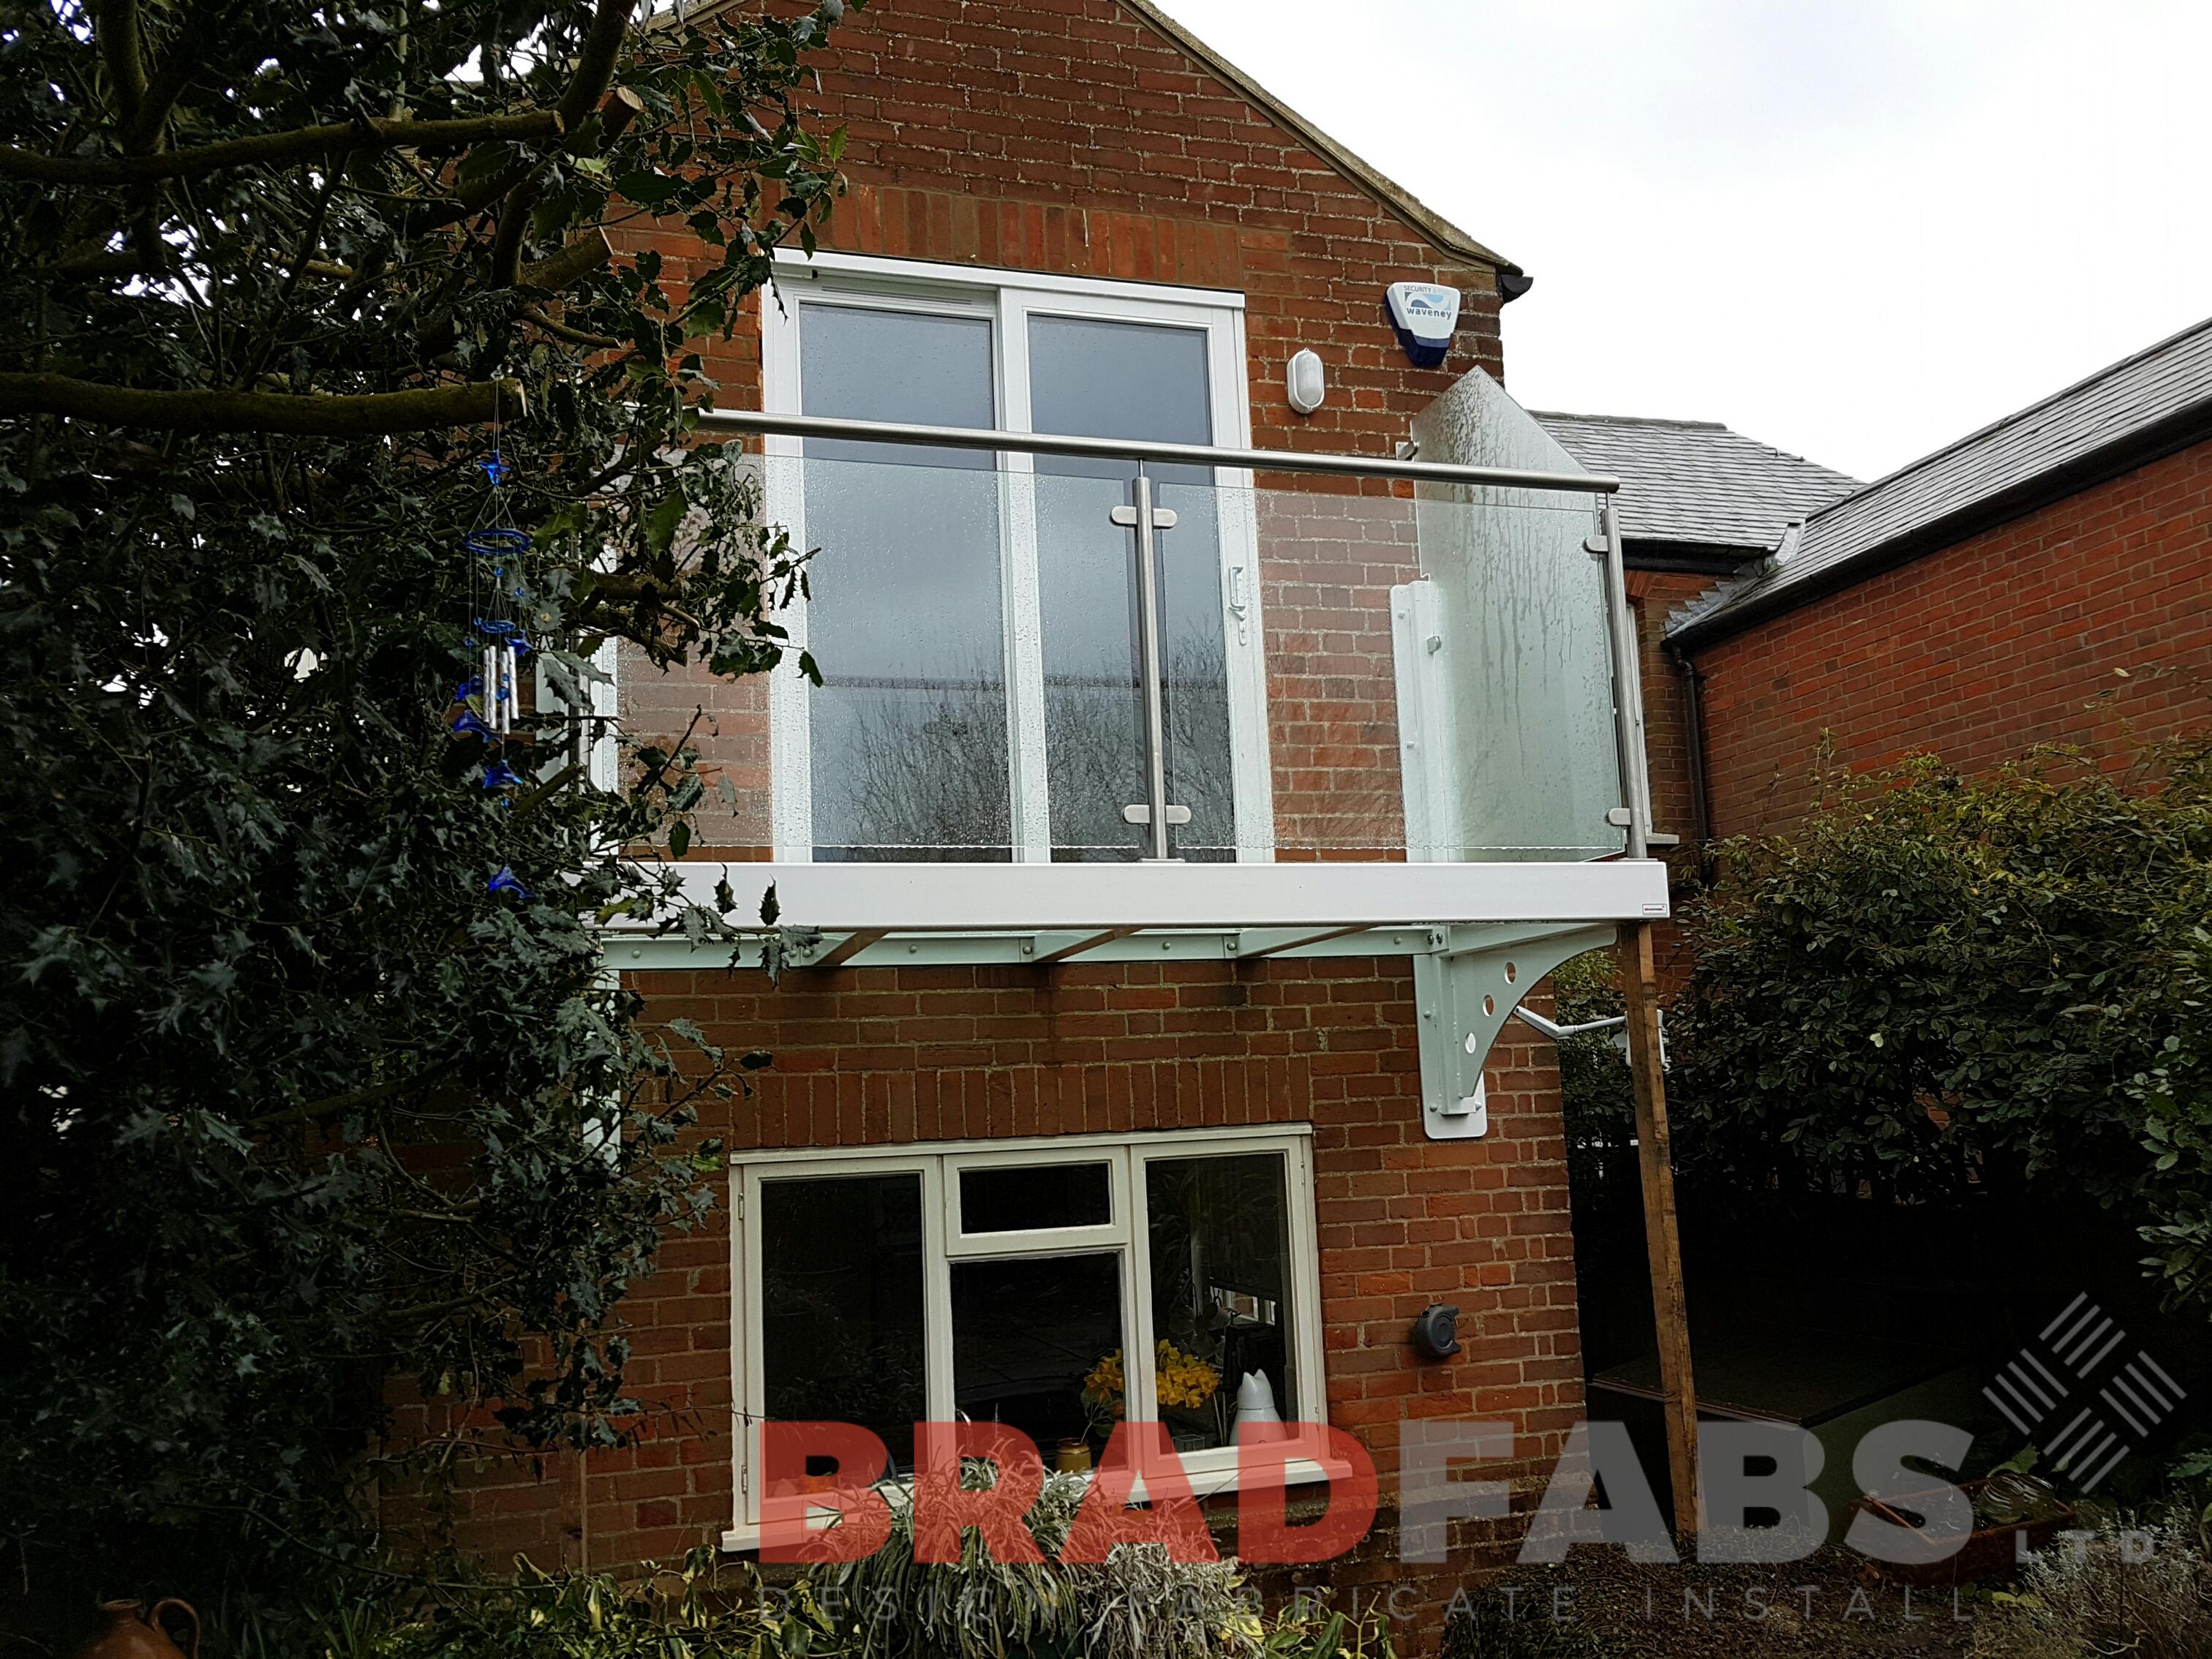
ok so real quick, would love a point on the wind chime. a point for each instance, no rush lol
(489, 703)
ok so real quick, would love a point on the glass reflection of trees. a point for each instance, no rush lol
(920, 769)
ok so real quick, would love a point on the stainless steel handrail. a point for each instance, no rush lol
(753, 420)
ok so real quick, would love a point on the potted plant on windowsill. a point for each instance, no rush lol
(1182, 1384)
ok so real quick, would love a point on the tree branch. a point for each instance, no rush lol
(346, 1103)
(115, 23)
(281, 149)
(506, 239)
(561, 331)
(168, 81)
(467, 403)
(564, 270)
(595, 65)
(621, 108)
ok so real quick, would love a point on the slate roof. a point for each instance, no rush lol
(2123, 416)
(1696, 482)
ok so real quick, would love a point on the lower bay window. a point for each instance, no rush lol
(1056, 1286)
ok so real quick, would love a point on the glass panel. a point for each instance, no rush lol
(1195, 689)
(841, 1304)
(1117, 380)
(1525, 664)
(1026, 1198)
(1219, 1235)
(1026, 1336)
(909, 726)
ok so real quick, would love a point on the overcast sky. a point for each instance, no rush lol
(1857, 229)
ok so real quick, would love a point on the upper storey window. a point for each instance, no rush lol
(975, 616)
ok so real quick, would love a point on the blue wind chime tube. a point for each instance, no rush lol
(502, 644)
(504, 641)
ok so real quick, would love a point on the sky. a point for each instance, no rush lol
(1856, 229)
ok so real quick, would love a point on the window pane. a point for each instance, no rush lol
(841, 1304)
(1026, 1334)
(1114, 379)
(1006, 1199)
(1093, 378)
(910, 745)
(1219, 1234)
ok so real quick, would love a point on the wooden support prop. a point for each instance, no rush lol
(1639, 990)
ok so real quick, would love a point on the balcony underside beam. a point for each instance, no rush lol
(1031, 898)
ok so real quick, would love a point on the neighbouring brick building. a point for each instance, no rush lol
(1070, 216)
(2047, 579)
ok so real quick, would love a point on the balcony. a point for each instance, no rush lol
(1093, 700)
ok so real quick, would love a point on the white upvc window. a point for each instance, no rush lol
(1012, 1282)
(974, 615)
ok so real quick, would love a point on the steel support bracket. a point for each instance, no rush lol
(1465, 997)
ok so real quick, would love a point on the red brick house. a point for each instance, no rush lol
(2047, 579)
(1038, 1098)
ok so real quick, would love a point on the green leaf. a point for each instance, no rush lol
(662, 523)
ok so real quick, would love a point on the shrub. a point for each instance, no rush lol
(2078, 1604)
(1941, 984)
(698, 1611)
(1138, 1604)
(1596, 1108)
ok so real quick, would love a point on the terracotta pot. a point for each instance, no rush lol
(132, 1632)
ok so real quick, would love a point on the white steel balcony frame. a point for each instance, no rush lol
(1482, 934)
(877, 914)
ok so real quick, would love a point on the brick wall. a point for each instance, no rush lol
(1072, 137)
(2088, 617)
(1654, 595)
(870, 1056)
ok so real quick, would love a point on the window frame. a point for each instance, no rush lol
(938, 1164)
(1009, 300)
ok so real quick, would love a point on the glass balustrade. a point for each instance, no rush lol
(1340, 669)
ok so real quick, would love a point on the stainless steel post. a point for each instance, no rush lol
(1627, 687)
(1148, 655)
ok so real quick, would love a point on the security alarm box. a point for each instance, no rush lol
(1423, 314)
